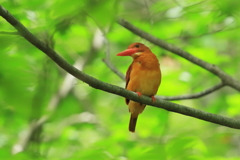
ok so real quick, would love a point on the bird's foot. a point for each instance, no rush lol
(139, 94)
(153, 99)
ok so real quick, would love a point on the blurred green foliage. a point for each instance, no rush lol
(85, 123)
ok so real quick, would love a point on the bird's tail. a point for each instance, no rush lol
(132, 123)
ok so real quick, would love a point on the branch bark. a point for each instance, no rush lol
(218, 119)
(226, 79)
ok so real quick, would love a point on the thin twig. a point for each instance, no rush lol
(194, 95)
(113, 68)
(107, 52)
(223, 29)
(191, 5)
(95, 83)
(10, 33)
(107, 61)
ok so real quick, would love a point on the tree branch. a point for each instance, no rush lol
(229, 122)
(226, 79)
(194, 95)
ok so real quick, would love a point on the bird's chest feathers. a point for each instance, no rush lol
(145, 79)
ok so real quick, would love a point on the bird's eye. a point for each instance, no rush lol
(137, 45)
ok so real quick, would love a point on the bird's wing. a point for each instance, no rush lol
(128, 79)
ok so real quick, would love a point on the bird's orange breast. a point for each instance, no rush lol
(144, 80)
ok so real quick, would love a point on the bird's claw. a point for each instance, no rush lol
(153, 99)
(139, 94)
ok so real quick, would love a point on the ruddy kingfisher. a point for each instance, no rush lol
(143, 77)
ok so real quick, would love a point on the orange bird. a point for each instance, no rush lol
(143, 77)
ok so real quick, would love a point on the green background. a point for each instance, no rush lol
(85, 123)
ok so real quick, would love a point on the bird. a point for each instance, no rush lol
(143, 77)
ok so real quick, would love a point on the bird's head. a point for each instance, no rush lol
(135, 50)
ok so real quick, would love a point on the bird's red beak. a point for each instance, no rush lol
(127, 52)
